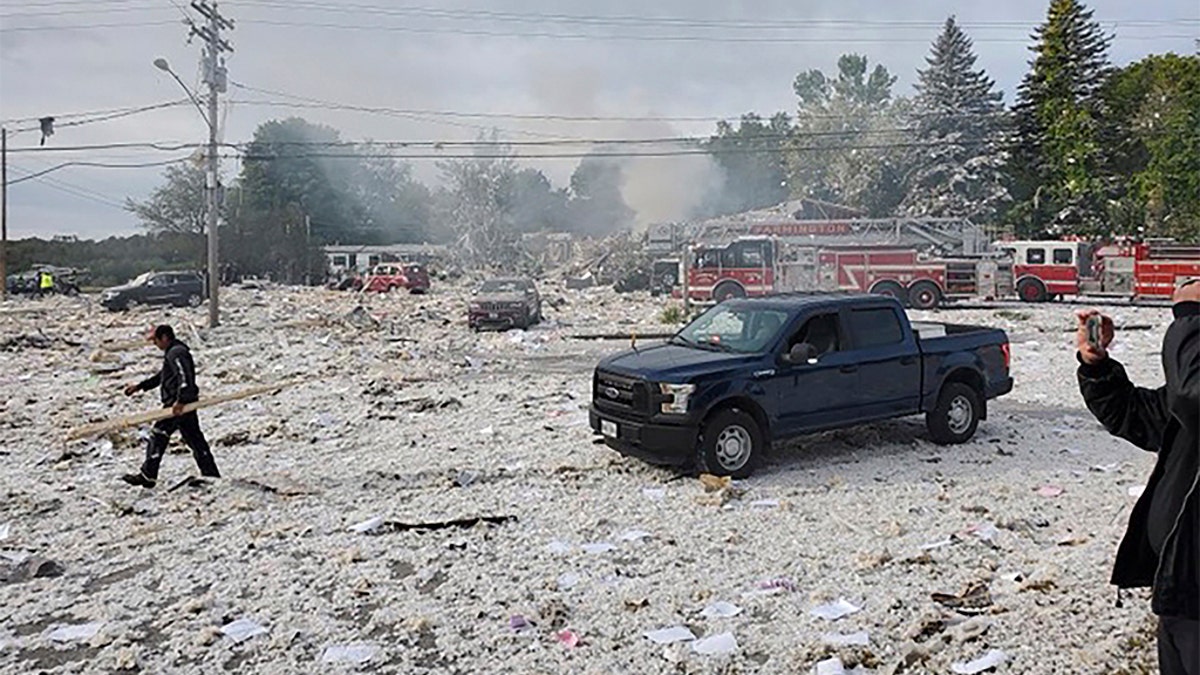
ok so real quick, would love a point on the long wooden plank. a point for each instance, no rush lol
(98, 428)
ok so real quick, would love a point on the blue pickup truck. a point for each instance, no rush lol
(749, 372)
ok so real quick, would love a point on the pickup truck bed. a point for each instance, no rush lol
(753, 371)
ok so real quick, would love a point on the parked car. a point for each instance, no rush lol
(182, 289)
(504, 304)
(387, 277)
(66, 280)
(751, 372)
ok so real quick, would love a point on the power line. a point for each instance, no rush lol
(99, 165)
(667, 21)
(646, 37)
(395, 112)
(76, 190)
(307, 102)
(780, 23)
(165, 146)
(105, 118)
(249, 156)
(92, 113)
(618, 37)
(85, 26)
(555, 117)
(77, 12)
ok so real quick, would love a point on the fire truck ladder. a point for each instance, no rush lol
(942, 236)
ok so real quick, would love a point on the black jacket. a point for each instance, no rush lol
(177, 379)
(1160, 547)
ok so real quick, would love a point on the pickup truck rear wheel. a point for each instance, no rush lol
(956, 415)
(730, 444)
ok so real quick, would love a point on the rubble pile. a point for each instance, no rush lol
(619, 260)
(432, 500)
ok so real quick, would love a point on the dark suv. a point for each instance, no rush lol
(504, 304)
(182, 289)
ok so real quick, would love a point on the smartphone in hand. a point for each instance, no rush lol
(1095, 325)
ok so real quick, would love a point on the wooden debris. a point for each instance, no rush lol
(98, 428)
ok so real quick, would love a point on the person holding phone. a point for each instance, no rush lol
(1161, 546)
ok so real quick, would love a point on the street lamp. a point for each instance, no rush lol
(210, 184)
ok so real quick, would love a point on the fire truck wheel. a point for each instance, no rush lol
(956, 415)
(1031, 290)
(924, 295)
(726, 290)
(892, 290)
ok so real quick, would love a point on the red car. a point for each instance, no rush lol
(390, 276)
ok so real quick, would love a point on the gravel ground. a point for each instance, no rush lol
(420, 421)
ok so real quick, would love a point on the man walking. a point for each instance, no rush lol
(1161, 547)
(177, 382)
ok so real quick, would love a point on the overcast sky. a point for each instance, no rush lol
(676, 58)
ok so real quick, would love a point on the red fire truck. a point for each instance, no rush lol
(752, 266)
(1044, 270)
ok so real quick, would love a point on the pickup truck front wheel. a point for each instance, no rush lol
(956, 416)
(730, 444)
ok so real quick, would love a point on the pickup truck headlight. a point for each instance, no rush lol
(475, 307)
(675, 397)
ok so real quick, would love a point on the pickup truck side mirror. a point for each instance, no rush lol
(802, 353)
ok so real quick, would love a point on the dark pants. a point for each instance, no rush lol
(1178, 646)
(188, 425)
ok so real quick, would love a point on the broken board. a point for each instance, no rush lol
(87, 430)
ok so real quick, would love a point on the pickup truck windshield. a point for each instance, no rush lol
(743, 330)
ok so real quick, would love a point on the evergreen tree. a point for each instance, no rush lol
(958, 168)
(1057, 156)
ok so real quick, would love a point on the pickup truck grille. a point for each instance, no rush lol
(619, 392)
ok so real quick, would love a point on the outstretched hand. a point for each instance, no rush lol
(131, 389)
(1090, 353)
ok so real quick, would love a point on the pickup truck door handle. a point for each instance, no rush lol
(908, 360)
(764, 373)
(849, 369)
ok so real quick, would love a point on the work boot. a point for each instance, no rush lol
(138, 480)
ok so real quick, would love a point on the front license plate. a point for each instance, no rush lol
(492, 315)
(608, 428)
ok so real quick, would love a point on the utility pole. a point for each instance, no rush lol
(3, 213)
(216, 79)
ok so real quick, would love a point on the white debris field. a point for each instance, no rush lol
(432, 500)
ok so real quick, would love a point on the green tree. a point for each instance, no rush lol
(1057, 159)
(296, 164)
(753, 166)
(390, 205)
(536, 206)
(958, 168)
(597, 206)
(847, 142)
(179, 205)
(1151, 133)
